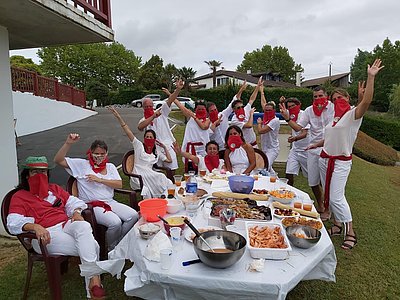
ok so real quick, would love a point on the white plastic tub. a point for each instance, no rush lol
(268, 253)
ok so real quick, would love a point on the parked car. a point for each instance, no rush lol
(188, 102)
(138, 102)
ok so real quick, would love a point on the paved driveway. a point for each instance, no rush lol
(102, 126)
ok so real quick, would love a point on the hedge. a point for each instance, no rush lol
(383, 129)
(222, 95)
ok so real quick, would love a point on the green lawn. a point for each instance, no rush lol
(370, 271)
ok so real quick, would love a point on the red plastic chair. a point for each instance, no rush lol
(56, 265)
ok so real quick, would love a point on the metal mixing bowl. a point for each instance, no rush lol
(312, 236)
(220, 239)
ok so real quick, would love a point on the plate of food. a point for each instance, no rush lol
(282, 195)
(189, 234)
(201, 194)
(282, 213)
(302, 221)
(260, 191)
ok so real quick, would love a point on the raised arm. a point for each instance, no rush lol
(263, 100)
(249, 123)
(123, 124)
(59, 159)
(255, 92)
(241, 90)
(167, 154)
(184, 154)
(360, 91)
(363, 106)
(285, 114)
(172, 97)
(146, 122)
(260, 128)
(186, 112)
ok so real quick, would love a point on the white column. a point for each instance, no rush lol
(8, 152)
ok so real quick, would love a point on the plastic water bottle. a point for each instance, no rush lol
(191, 186)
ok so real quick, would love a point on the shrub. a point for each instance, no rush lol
(374, 151)
(383, 128)
(394, 98)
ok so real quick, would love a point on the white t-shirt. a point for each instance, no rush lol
(317, 124)
(239, 160)
(248, 133)
(89, 191)
(339, 139)
(194, 134)
(202, 164)
(302, 144)
(161, 126)
(269, 140)
(219, 134)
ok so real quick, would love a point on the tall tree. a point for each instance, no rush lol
(390, 54)
(169, 76)
(213, 65)
(187, 75)
(111, 64)
(20, 61)
(277, 60)
(151, 73)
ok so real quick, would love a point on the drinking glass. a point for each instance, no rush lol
(178, 180)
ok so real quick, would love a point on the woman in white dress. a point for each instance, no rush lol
(154, 183)
(335, 161)
(209, 162)
(96, 181)
(239, 156)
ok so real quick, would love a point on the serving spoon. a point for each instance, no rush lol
(198, 234)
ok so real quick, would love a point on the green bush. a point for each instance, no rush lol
(394, 98)
(383, 128)
(222, 95)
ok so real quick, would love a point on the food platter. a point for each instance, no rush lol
(282, 196)
(201, 194)
(189, 234)
(244, 209)
(285, 213)
(302, 221)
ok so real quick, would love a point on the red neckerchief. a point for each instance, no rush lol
(234, 142)
(341, 107)
(329, 172)
(98, 203)
(240, 114)
(212, 162)
(148, 112)
(201, 114)
(319, 105)
(213, 115)
(39, 185)
(294, 112)
(96, 168)
(149, 145)
(268, 116)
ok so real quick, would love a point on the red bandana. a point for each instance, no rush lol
(212, 162)
(97, 168)
(39, 185)
(268, 116)
(234, 142)
(149, 145)
(341, 107)
(240, 114)
(148, 112)
(201, 114)
(294, 112)
(319, 105)
(213, 115)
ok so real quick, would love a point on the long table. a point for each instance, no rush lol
(147, 280)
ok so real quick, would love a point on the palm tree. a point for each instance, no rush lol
(187, 75)
(214, 64)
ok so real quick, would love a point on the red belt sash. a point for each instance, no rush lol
(98, 203)
(191, 148)
(329, 172)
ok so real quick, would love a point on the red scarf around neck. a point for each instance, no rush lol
(96, 168)
(149, 145)
(268, 116)
(319, 105)
(213, 115)
(212, 162)
(39, 185)
(240, 114)
(201, 114)
(294, 112)
(341, 107)
(234, 142)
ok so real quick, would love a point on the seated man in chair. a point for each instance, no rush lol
(55, 217)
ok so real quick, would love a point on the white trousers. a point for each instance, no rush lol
(118, 221)
(337, 200)
(295, 161)
(313, 168)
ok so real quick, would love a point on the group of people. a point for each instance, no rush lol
(322, 139)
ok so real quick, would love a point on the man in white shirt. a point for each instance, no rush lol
(317, 116)
(158, 121)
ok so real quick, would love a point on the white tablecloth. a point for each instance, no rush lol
(147, 280)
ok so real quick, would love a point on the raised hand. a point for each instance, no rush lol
(114, 111)
(284, 111)
(180, 84)
(282, 99)
(259, 120)
(291, 139)
(159, 144)
(216, 123)
(375, 68)
(166, 91)
(72, 138)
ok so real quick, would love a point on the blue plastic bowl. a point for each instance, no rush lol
(241, 184)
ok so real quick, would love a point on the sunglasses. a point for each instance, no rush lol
(239, 107)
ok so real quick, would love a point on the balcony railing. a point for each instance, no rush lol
(31, 82)
(101, 9)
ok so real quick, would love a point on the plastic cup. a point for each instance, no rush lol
(202, 172)
(307, 206)
(178, 180)
(187, 176)
(176, 238)
(171, 190)
(298, 205)
(166, 258)
(272, 176)
(227, 217)
(283, 183)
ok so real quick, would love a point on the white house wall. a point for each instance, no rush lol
(209, 81)
(35, 114)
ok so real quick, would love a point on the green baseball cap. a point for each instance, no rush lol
(36, 162)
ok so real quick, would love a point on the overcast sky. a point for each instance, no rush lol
(316, 32)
